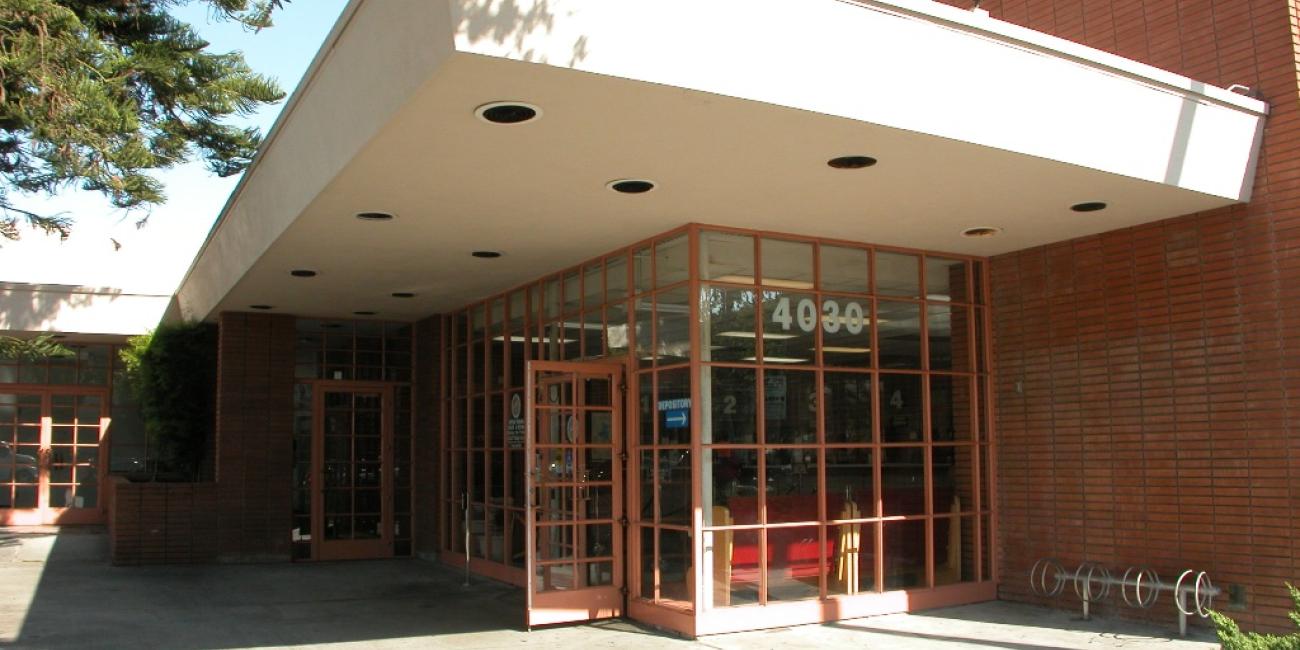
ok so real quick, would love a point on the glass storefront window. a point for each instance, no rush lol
(898, 274)
(726, 257)
(838, 398)
(845, 269)
(728, 315)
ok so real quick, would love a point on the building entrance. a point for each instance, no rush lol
(50, 459)
(353, 456)
(574, 479)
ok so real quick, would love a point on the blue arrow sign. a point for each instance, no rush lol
(677, 419)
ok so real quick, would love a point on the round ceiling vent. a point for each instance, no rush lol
(981, 231)
(631, 186)
(1088, 206)
(375, 216)
(851, 162)
(507, 112)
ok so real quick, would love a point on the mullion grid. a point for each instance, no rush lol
(973, 511)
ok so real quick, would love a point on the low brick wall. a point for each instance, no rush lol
(162, 523)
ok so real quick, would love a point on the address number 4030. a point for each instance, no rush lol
(851, 315)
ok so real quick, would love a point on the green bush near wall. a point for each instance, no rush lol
(172, 372)
(1232, 638)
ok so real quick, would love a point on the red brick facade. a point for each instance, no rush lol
(255, 436)
(162, 523)
(1148, 378)
(427, 398)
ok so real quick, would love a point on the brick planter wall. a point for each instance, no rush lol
(162, 523)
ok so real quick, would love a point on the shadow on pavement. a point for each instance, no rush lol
(74, 598)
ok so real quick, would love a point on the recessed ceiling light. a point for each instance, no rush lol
(263, 307)
(1088, 206)
(303, 273)
(486, 255)
(403, 294)
(981, 231)
(507, 112)
(364, 313)
(631, 186)
(851, 162)
(375, 216)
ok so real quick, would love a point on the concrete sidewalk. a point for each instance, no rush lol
(57, 590)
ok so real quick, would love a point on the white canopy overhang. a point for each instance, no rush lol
(732, 107)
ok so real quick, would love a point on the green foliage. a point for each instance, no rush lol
(41, 347)
(1232, 638)
(100, 93)
(172, 372)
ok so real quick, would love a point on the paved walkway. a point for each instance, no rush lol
(58, 591)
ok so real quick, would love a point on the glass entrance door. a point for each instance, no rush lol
(50, 464)
(575, 489)
(352, 456)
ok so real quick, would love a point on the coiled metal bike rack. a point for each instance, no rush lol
(1139, 587)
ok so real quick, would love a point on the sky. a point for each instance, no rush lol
(153, 259)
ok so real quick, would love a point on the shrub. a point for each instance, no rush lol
(172, 373)
(1232, 638)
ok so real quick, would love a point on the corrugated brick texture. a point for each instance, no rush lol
(162, 523)
(1148, 378)
(428, 424)
(255, 379)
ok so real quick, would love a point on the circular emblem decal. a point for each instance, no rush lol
(516, 406)
(569, 429)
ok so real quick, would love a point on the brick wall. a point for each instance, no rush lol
(1148, 377)
(255, 436)
(161, 523)
(426, 394)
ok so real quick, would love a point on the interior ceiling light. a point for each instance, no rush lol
(486, 255)
(403, 294)
(262, 307)
(631, 186)
(1088, 206)
(771, 359)
(770, 336)
(507, 112)
(363, 313)
(981, 231)
(375, 216)
(851, 162)
(303, 273)
(844, 349)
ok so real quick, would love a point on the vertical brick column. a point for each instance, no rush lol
(426, 397)
(254, 460)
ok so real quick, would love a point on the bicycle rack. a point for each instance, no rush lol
(1139, 587)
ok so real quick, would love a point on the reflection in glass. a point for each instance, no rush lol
(727, 329)
(616, 279)
(726, 257)
(797, 559)
(673, 326)
(787, 264)
(648, 562)
(790, 406)
(791, 493)
(850, 484)
(898, 274)
(616, 329)
(853, 569)
(845, 269)
(790, 322)
(950, 410)
(646, 421)
(732, 480)
(846, 332)
(593, 335)
(642, 280)
(902, 480)
(733, 396)
(905, 555)
(643, 329)
(736, 567)
(938, 326)
(675, 577)
(848, 406)
(901, 404)
(672, 261)
(954, 550)
(593, 286)
(899, 334)
(945, 279)
(954, 476)
(674, 485)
